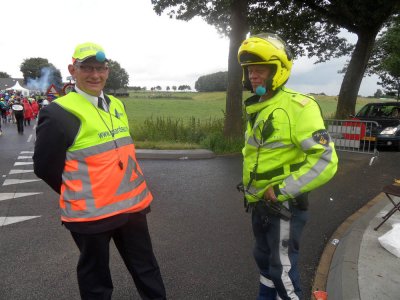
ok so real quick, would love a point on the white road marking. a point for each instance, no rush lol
(8, 196)
(18, 181)
(24, 157)
(4, 221)
(23, 163)
(29, 138)
(11, 220)
(20, 171)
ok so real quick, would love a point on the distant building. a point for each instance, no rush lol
(6, 83)
(16, 84)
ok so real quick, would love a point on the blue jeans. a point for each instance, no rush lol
(276, 253)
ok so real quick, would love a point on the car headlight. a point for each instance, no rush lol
(389, 130)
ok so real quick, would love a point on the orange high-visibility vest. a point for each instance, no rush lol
(101, 177)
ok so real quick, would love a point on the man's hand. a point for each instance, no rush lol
(269, 195)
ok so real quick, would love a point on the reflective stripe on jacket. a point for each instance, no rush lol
(95, 185)
(296, 154)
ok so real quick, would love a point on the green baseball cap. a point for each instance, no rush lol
(88, 50)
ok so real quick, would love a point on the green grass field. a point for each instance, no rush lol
(203, 106)
(144, 105)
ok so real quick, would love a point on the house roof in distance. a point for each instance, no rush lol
(6, 83)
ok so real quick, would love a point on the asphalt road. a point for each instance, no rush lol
(201, 235)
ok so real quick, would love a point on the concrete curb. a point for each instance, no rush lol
(337, 270)
(174, 154)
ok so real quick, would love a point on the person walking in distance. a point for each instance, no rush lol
(3, 112)
(18, 112)
(35, 108)
(28, 112)
(84, 151)
(287, 153)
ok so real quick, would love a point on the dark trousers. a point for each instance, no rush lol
(134, 245)
(20, 122)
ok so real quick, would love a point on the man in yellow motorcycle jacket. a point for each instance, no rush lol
(287, 153)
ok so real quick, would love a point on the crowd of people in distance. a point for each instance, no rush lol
(18, 109)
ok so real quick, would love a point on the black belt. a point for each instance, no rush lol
(274, 173)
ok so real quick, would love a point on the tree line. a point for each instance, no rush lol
(39, 74)
(183, 87)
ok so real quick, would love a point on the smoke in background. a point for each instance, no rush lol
(43, 82)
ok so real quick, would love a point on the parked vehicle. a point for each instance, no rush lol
(387, 115)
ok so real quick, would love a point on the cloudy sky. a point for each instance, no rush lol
(154, 50)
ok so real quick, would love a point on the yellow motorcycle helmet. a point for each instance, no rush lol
(266, 49)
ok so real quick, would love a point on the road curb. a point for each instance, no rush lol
(340, 236)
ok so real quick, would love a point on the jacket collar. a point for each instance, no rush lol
(253, 106)
(91, 98)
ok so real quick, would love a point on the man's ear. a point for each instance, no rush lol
(71, 70)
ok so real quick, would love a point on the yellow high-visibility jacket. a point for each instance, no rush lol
(286, 146)
(101, 177)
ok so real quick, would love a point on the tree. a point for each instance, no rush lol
(386, 58)
(174, 87)
(215, 82)
(184, 87)
(391, 84)
(168, 88)
(378, 93)
(300, 27)
(4, 75)
(39, 74)
(365, 18)
(118, 78)
(31, 67)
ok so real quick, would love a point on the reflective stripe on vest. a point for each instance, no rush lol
(94, 186)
